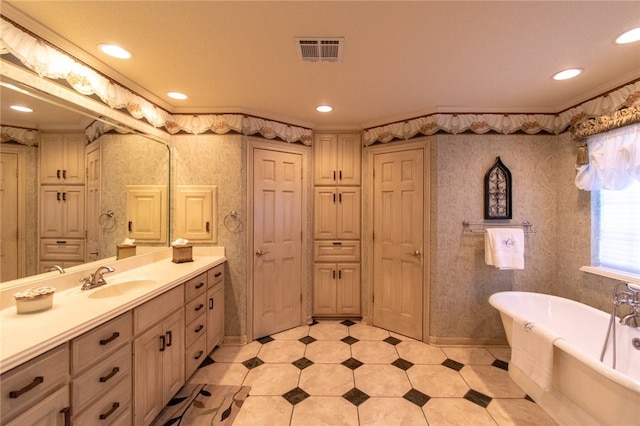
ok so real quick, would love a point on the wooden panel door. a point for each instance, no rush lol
(325, 212)
(51, 211)
(51, 157)
(146, 212)
(398, 241)
(325, 157)
(348, 289)
(73, 171)
(148, 372)
(349, 159)
(73, 217)
(196, 212)
(9, 260)
(324, 288)
(277, 235)
(348, 213)
(173, 356)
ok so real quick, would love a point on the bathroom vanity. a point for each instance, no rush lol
(114, 354)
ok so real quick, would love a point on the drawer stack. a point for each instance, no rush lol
(195, 296)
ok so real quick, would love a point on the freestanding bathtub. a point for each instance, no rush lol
(583, 390)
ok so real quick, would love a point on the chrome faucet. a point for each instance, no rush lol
(55, 268)
(631, 298)
(96, 279)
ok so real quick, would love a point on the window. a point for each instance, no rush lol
(617, 229)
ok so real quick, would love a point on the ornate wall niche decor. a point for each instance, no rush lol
(497, 192)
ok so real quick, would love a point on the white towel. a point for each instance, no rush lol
(504, 248)
(532, 351)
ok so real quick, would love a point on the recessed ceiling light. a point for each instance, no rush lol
(115, 51)
(324, 108)
(21, 108)
(177, 95)
(567, 74)
(629, 36)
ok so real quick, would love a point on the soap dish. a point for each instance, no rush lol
(34, 299)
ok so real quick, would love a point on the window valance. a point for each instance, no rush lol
(28, 137)
(614, 160)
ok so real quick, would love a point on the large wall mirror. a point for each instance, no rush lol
(127, 156)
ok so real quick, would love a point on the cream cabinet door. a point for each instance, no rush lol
(62, 158)
(336, 212)
(146, 212)
(148, 372)
(196, 213)
(215, 316)
(62, 209)
(53, 410)
(337, 159)
(348, 288)
(325, 210)
(349, 159)
(324, 288)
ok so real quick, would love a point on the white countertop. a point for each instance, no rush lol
(25, 336)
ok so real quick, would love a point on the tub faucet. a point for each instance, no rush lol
(96, 279)
(55, 268)
(631, 320)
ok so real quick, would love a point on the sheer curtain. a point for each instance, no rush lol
(614, 160)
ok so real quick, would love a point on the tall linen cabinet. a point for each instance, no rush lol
(336, 228)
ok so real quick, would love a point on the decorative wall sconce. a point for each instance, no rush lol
(497, 192)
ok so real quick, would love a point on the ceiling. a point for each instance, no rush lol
(400, 59)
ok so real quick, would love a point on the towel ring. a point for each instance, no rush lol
(107, 221)
(231, 221)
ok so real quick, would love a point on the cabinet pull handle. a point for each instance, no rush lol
(114, 407)
(58, 173)
(340, 274)
(334, 273)
(334, 175)
(110, 375)
(110, 339)
(58, 196)
(197, 308)
(200, 353)
(217, 274)
(340, 174)
(66, 413)
(206, 226)
(36, 382)
(64, 174)
(130, 225)
(64, 196)
(61, 242)
(169, 338)
(334, 197)
(162, 343)
(211, 303)
(337, 243)
(340, 197)
(198, 328)
(199, 285)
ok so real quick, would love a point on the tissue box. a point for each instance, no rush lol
(125, 251)
(182, 254)
(34, 300)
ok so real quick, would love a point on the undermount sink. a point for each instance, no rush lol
(121, 288)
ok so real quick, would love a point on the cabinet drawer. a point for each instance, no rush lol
(195, 286)
(50, 411)
(216, 275)
(108, 409)
(100, 341)
(61, 249)
(194, 308)
(336, 251)
(31, 382)
(156, 309)
(195, 354)
(99, 379)
(196, 329)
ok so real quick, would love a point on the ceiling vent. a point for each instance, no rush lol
(319, 49)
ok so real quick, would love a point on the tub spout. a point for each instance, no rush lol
(631, 320)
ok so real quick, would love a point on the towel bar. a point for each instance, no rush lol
(479, 228)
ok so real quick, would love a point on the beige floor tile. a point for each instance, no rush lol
(236, 353)
(503, 353)
(382, 380)
(326, 380)
(272, 379)
(329, 330)
(470, 356)
(264, 411)
(293, 333)
(367, 332)
(328, 351)
(403, 337)
(420, 353)
(508, 412)
(390, 412)
(437, 381)
(324, 411)
(491, 381)
(456, 412)
(374, 352)
(282, 351)
(221, 373)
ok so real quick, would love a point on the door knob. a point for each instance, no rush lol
(259, 252)
(416, 253)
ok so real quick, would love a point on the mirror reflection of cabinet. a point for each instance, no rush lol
(62, 159)
(146, 212)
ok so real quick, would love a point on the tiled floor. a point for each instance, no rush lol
(347, 373)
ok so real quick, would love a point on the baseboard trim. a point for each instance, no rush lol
(235, 340)
(467, 341)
